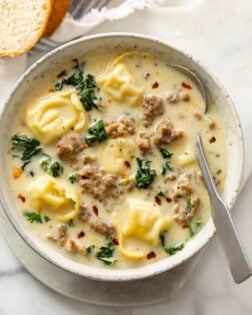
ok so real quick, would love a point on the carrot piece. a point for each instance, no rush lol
(17, 173)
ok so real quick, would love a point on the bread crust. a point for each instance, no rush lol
(49, 7)
(59, 10)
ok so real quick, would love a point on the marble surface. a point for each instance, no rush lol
(219, 34)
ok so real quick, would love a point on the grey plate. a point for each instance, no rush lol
(146, 291)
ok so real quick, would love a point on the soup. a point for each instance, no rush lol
(102, 163)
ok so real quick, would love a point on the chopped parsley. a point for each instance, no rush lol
(85, 86)
(89, 249)
(162, 238)
(166, 167)
(70, 223)
(105, 253)
(53, 168)
(144, 175)
(189, 205)
(36, 217)
(97, 132)
(191, 231)
(172, 250)
(199, 221)
(72, 178)
(165, 153)
(160, 194)
(25, 148)
(218, 172)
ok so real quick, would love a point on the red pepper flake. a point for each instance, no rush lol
(95, 210)
(22, 198)
(51, 90)
(61, 74)
(185, 226)
(115, 241)
(155, 85)
(127, 163)
(81, 234)
(186, 86)
(151, 255)
(158, 200)
(76, 60)
(212, 140)
(168, 199)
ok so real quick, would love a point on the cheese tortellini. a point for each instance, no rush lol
(139, 224)
(53, 195)
(121, 85)
(114, 154)
(52, 116)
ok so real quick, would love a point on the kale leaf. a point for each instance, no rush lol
(144, 175)
(25, 148)
(84, 84)
(53, 168)
(166, 167)
(172, 250)
(165, 153)
(105, 253)
(97, 132)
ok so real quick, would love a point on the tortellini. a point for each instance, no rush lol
(53, 195)
(114, 154)
(52, 116)
(121, 85)
(138, 224)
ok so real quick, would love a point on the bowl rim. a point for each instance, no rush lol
(102, 274)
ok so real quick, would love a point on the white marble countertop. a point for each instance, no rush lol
(219, 34)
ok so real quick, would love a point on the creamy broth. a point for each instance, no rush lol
(150, 112)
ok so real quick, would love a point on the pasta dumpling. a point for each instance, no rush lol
(54, 195)
(115, 153)
(139, 227)
(121, 85)
(52, 116)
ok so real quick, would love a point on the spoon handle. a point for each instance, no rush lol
(225, 228)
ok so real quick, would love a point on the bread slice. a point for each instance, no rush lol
(22, 23)
(59, 10)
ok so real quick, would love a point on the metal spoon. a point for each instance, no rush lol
(225, 228)
(192, 75)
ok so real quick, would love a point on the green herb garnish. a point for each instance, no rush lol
(166, 167)
(105, 253)
(89, 249)
(97, 133)
(199, 221)
(25, 148)
(53, 168)
(70, 223)
(145, 175)
(172, 250)
(218, 172)
(160, 194)
(72, 178)
(165, 153)
(162, 238)
(189, 205)
(36, 217)
(84, 84)
(191, 231)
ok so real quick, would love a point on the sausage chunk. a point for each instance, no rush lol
(95, 223)
(143, 142)
(165, 133)
(123, 127)
(152, 107)
(183, 186)
(69, 145)
(184, 215)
